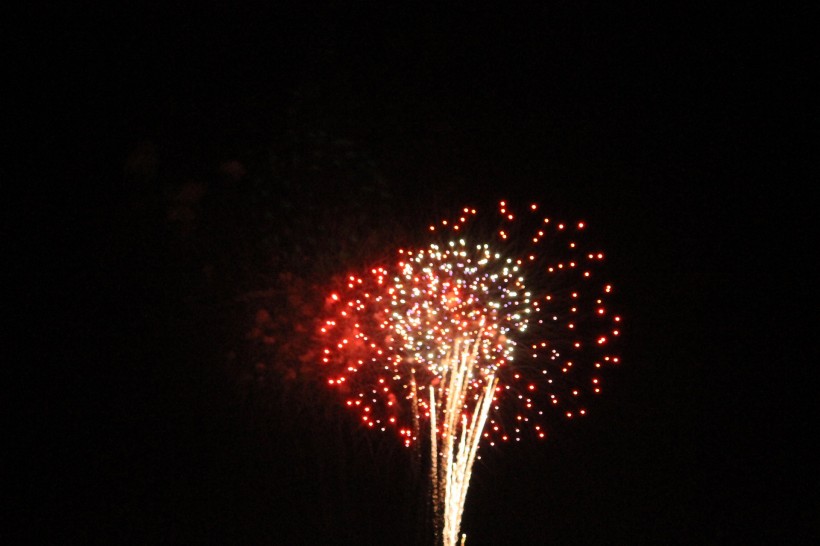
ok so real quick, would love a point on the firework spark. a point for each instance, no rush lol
(498, 329)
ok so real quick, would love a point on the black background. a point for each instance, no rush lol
(677, 133)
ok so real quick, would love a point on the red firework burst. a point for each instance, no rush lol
(528, 292)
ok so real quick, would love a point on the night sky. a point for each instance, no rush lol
(199, 174)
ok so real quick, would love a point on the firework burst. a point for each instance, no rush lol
(475, 337)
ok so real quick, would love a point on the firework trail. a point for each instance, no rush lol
(476, 337)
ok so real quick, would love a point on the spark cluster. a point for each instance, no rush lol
(521, 288)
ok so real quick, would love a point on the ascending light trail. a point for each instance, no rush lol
(452, 463)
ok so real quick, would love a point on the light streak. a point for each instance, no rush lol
(452, 463)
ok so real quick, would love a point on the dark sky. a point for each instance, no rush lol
(674, 131)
